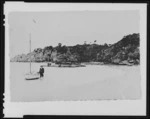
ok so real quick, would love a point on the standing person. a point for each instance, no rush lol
(41, 72)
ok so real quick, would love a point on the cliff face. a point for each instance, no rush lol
(126, 51)
(35, 56)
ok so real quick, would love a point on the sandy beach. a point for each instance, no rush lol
(93, 82)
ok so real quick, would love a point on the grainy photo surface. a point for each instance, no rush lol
(75, 59)
(87, 55)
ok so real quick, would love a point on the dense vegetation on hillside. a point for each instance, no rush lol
(123, 52)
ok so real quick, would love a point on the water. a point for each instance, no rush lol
(93, 82)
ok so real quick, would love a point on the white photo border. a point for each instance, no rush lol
(118, 107)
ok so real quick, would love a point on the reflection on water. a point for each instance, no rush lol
(93, 82)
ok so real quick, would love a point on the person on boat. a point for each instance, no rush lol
(41, 72)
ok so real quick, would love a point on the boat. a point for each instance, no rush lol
(31, 75)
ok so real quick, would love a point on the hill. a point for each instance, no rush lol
(125, 51)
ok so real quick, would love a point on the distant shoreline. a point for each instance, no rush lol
(88, 63)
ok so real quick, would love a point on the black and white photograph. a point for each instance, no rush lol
(83, 54)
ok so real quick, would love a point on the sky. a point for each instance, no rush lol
(69, 28)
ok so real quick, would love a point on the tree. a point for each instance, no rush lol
(59, 44)
(63, 49)
(105, 45)
(58, 48)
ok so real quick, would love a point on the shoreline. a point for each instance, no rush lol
(86, 63)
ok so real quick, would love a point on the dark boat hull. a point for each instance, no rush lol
(32, 78)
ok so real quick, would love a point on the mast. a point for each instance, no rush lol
(30, 46)
(30, 50)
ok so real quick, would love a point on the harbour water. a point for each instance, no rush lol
(93, 82)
